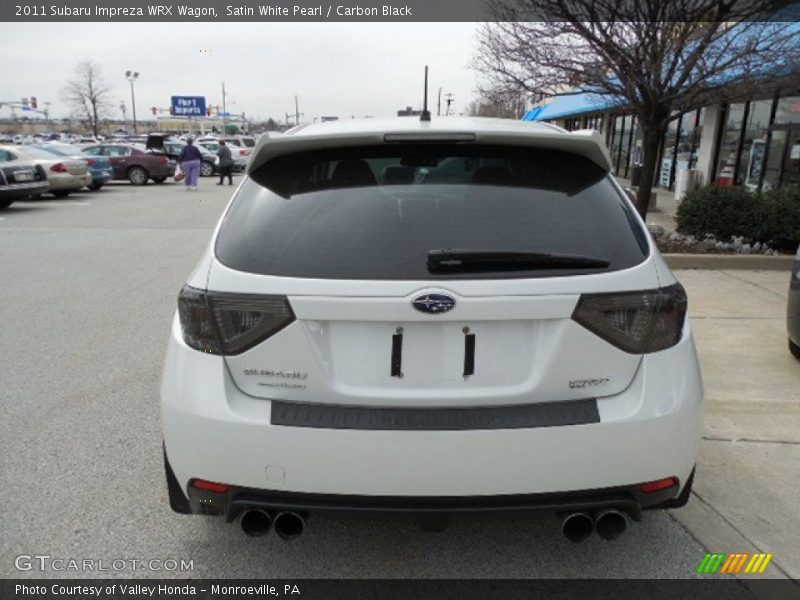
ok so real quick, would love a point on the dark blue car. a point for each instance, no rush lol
(99, 166)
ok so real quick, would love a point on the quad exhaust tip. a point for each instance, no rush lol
(610, 524)
(256, 522)
(577, 527)
(289, 525)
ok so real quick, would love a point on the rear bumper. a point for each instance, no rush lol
(102, 176)
(231, 504)
(215, 432)
(23, 190)
(69, 183)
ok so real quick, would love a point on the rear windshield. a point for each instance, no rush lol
(379, 213)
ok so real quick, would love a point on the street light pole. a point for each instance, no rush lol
(132, 77)
(224, 114)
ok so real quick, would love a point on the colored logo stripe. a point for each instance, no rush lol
(721, 562)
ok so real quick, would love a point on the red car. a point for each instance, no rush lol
(134, 162)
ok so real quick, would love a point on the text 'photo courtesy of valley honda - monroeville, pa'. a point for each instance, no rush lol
(423, 318)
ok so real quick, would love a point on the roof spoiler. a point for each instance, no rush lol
(586, 142)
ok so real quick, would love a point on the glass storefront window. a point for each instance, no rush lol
(788, 110)
(755, 139)
(672, 137)
(617, 135)
(726, 167)
(772, 171)
(693, 126)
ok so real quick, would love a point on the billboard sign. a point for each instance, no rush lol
(188, 106)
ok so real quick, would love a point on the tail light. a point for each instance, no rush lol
(59, 168)
(210, 486)
(635, 322)
(656, 486)
(229, 324)
(242, 152)
(91, 162)
(162, 160)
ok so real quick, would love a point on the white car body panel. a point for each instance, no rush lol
(529, 351)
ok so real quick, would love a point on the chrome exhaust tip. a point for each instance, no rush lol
(256, 522)
(289, 525)
(610, 524)
(577, 527)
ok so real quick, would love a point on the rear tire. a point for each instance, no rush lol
(138, 176)
(95, 186)
(5, 203)
(206, 169)
(61, 194)
(794, 349)
(159, 179)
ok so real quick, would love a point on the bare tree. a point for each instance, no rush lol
(494, 103)
(89, 95)
(651, 56)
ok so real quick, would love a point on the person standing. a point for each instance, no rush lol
(189, 160)
(225, 163)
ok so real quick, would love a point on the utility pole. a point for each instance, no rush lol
(449, 100)
(439, 104)
(132, 77)
(224, 113)
(296, 111)
(47, 114)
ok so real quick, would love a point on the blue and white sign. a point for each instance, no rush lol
(189, 106)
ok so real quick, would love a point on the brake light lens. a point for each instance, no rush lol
(635, 322)
(59, 168)
(242, 152)
(91, 162)
(210, 486)
(162, 160)
(229, 324)
(657, 486)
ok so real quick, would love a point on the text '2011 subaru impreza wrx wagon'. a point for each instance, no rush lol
(431, 318)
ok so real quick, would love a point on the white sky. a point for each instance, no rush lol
(338, 69)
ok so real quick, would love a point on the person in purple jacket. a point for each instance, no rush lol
(189, 160)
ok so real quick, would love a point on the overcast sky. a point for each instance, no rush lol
(338, 69)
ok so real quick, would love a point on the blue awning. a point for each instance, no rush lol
(572, 105)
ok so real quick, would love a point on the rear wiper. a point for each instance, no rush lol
(507, 260)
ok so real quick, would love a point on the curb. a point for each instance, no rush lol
(753, 262)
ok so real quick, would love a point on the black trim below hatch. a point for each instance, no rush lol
(327, 416)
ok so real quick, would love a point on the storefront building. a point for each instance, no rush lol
(753, 143)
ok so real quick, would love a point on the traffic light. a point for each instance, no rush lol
(34, 103)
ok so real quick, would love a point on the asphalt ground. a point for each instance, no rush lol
(88, 291)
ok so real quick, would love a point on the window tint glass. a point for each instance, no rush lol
(117, 151)
(5, 155)
(376, 213)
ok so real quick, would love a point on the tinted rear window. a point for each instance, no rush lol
(376, 213)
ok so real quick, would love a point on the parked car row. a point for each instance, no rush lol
(29, 171)
(19, 179)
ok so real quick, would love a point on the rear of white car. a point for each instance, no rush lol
(433, 319)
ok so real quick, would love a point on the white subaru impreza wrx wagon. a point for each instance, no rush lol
(431, 318)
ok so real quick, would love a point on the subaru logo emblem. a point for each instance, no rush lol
(433, 303)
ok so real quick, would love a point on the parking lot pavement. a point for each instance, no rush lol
(89, 288)
(749, 467)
